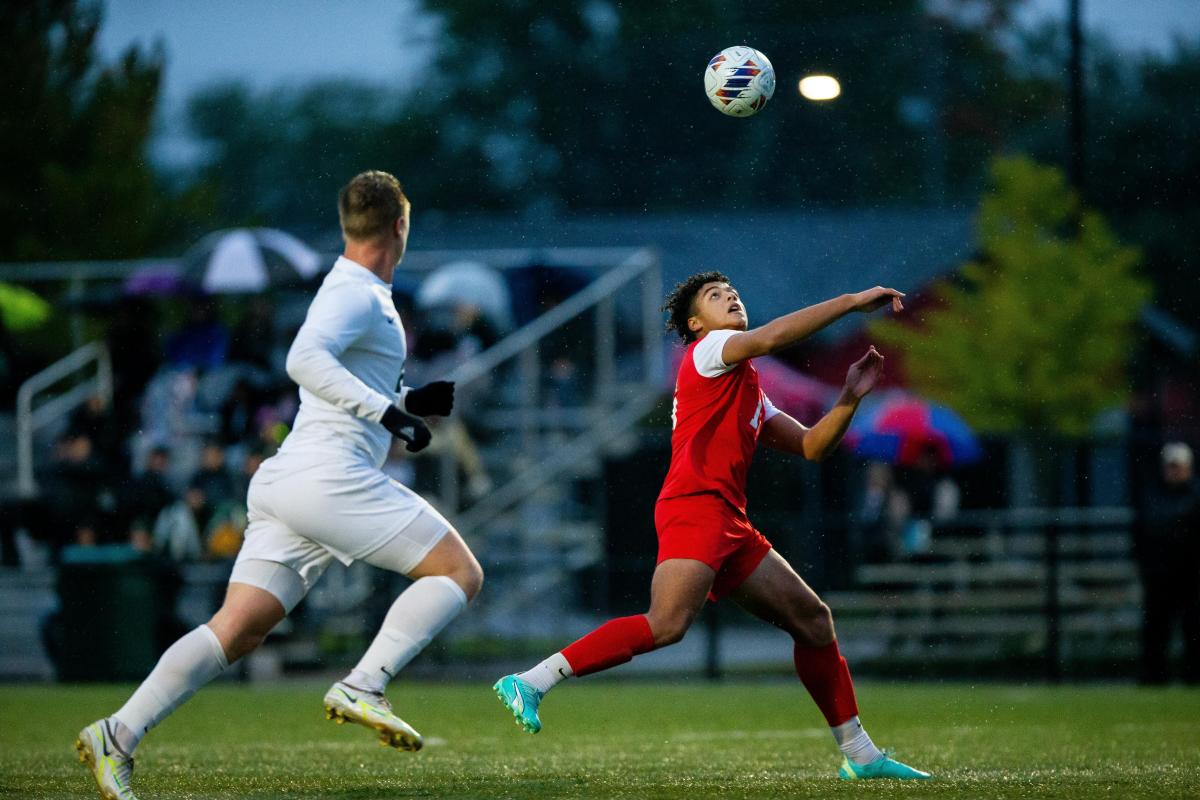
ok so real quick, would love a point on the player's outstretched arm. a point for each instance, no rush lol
(791, 328)
(782, 432)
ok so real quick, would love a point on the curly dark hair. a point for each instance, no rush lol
(679, 303)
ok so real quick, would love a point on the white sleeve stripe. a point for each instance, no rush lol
(707, 354)
(769, 409)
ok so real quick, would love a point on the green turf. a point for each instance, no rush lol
(632, 740)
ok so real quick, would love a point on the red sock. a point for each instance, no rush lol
(613, 643)
(824, 673)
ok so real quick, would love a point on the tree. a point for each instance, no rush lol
(279, 157)
(76, 182)
(1036, 337)
(1141, 123)
(594, 104)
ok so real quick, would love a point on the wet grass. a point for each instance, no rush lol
(629, 740)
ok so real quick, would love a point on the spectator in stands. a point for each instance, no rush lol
(177, 529)
(135, 345)
(274, 419)
(253, 339)
(255, 455)
(95, 420)
(147, 494)
(203, 343)
(239, 413)
(1167, 547)
(931, 496)
(213, 478)
(80, 496)
(449, 336)
(880, 516)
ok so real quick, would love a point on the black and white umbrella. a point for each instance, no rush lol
(248, 260)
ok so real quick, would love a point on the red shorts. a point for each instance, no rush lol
(705, 527)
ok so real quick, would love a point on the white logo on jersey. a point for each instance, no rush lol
(759, 410)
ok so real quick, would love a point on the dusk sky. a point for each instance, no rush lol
(268, 43)
(272, 41)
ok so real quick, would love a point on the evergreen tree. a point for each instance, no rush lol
(75, 183)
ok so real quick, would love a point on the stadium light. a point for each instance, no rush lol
(820, 87)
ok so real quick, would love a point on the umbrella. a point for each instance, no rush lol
(792, 391)
(155, 280)
(901, 428)
(468, 283)
(21, 309)
(247, 260)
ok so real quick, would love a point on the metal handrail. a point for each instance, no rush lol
(609, 407)
(29, 419)
(485, 363)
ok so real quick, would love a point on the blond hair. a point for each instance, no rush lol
(370, 204)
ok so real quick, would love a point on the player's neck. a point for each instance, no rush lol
(701, 334)
(379, 260)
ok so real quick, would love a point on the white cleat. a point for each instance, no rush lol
(346, 703)
(111, 767)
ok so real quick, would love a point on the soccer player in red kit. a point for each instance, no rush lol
(707, 548)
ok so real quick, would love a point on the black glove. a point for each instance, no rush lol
(432, 400)
(412, 430)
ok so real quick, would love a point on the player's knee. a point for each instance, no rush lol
(468, 575)
(669, 629)
(813, 626)
(470, 578)
(243, 643)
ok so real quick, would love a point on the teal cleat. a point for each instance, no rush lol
(522, 700)
(886, 767)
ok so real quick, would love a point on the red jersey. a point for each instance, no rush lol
(717, 415)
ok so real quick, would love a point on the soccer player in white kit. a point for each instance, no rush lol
(323, 497)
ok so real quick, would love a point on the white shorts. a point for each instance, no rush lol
(303, 516)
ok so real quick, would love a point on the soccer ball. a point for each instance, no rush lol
(739, 81)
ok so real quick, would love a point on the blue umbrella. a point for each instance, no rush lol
(900, 430)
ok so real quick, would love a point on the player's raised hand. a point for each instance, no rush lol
(432, 400)
(864, 374)
(877, 298)
(411, 429)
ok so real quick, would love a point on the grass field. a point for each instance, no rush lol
(631, 740)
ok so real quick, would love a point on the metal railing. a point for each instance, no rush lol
(553, 440)
(30, 418)
(1061, 583)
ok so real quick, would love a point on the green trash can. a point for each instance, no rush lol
(110, 604)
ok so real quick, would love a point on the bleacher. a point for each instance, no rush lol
(979, 592)
(983, 591)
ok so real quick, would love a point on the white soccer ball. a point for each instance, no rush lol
(739, 81)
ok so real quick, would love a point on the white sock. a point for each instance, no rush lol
(852, 740)
(548, 674)
(419, 614)
(187, 665)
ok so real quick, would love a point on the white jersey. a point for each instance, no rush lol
(348, 358)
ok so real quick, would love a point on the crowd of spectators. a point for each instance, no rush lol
(164, 470)
(901, 505)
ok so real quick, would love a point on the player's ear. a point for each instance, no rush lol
(694, 325)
